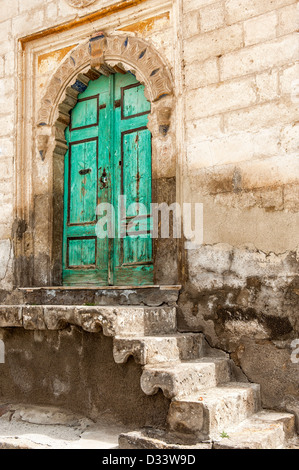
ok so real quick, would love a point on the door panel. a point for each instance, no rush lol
(135, 185)
(83, 174)
(133, 101)
(109, 155)
(87, 113)
(132, 142)
(82, 252)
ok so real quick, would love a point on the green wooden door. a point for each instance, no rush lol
(109, 155)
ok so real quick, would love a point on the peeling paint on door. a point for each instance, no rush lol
(109, 155)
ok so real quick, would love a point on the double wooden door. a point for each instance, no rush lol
(108, 162)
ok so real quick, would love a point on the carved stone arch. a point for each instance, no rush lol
(105, 55)
(102, 55)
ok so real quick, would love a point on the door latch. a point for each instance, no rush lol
(104, 179)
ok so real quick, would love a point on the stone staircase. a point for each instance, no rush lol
(209, 406)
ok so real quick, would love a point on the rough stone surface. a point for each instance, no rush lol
(154, 439)
(37, 427)
(198, 379)
(11, 316)
(186, 378)
(231, 144)
(153, 296)
(246, 302)
(265, 430)
(158, 349)
(113, 320)
(53, 367)
(211, 411)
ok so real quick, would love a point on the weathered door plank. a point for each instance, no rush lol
(109, 155)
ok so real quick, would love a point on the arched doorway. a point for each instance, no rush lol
(109, 155)
(81, 67)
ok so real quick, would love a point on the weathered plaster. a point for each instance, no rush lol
(54, 367)
(241, 297)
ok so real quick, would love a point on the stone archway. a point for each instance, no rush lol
(102, 55)
(105, 55)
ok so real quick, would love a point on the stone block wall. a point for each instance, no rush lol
(241, 73)
(241, 120)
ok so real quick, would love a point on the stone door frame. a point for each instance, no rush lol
(38, 221)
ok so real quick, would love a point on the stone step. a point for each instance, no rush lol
(212, 411)
(113, 320)
(157, 439)
(263, 430)
(158, 349)
(179, 380)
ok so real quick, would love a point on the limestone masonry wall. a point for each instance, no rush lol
(241, 118)
(235, 74)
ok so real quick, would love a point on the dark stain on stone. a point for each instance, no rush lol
(237, 181)
(23, 270)
(163, 129)
(19, 227)
(217, 184)
(234, 313)
(278, 327)
(254, 282)
(194, 310)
